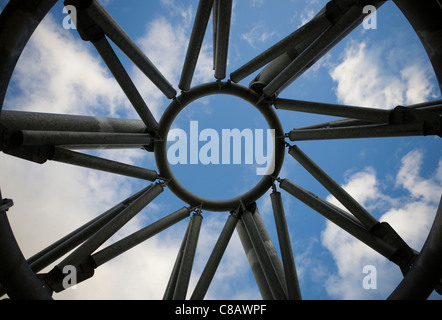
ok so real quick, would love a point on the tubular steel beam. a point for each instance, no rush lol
(80, 140)
(138, 237)
(110, 58)
(362, 113)
(222, 37)
(350, 19)
(171, 285)
(215, 258)
(182, 282)
(426, 271)
(293, 290)
(91, 162)
(290, 45)
(359, 132)
(61, 247)
(108, 230)
(334, 188)
(195, 43)
(264, 258)
(257, 271)
(22, 120)
(349, 225)
(270, 247)
(113, 30)
(431, 106)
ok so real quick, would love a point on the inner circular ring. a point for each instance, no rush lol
(172, 111)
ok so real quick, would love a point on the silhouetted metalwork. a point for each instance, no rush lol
(39, 137)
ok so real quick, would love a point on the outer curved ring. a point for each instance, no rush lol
(184, 100)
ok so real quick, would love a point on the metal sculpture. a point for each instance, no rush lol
(41, 137)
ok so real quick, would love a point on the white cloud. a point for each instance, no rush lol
(365, 78)
(259, 34)
(411, 216)
(59, 74)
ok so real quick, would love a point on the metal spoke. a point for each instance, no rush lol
(224, 13)
(431, 106)
(264, 258)
(113, 30)
(292, 283)
(37, 121)
(252, 257)
(79, 140)
(171, 285)
(139, 236)
(297, 41)
(342, 26)
(334, 188)
(61, 247)
(182, 282)
(370, 131)
(215, 258)
(110, 58)
(195, 43)
(362, 113)
(80, 257)
(91, 162)
(343, 221)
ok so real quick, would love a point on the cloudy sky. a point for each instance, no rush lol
(398, 180)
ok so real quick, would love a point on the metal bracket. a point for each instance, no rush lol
(404, 255)
(6, 204)
(431, 120)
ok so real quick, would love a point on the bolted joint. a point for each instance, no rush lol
(59, 279)
(86, 27)
(431, 121)
(404, 256)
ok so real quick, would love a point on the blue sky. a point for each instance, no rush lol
(398, 180)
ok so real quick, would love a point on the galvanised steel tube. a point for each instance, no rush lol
(61, 247)
(23, 120)
(171, 285)
(195, 43)
(250, 252)
(139, 236)
(108, 230)
(222, 37)
(359, 132)
(355, 229)
(80, 140)
(342, 27)
(362, 113)
(114, 31)
(270, 247)
(291, 276)
(296, 41)
(91, 162)
(215, 258)
(425, 272)
(110, 58)
(334, 188)
(263, 257)
(183, 279)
